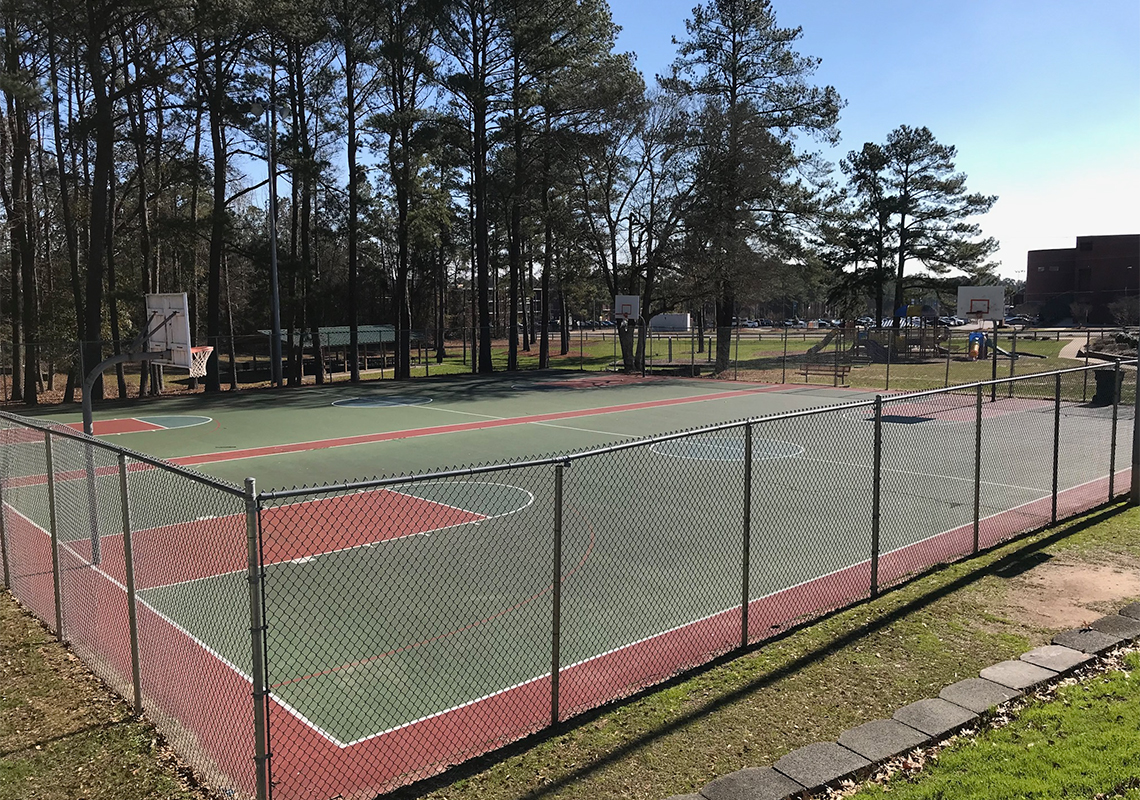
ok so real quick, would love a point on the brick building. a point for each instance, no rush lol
(1099, 270)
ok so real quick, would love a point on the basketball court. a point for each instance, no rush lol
(402, 617)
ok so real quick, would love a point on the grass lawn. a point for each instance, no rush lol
(1082, 742)
(64, 736)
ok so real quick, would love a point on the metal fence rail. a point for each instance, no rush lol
(348, 639)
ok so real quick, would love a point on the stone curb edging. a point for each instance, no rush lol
(859, 750)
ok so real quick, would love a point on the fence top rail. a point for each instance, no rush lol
(569, 458)
(56, 429)
(1015, 379)
(565, 458)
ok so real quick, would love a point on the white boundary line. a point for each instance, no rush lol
(925, 474)
(157, 428)
(369, 545)
(583, 430)
(466, 413)
(795, 452)
(351, 402)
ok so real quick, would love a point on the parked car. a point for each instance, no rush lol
(794, 323)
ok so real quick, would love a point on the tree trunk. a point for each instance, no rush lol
(104, 130)
(218, 219)
(725, 311)
(482, 245)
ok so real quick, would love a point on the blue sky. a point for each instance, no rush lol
(1041, 98)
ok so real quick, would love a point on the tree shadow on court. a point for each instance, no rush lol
(442, 389)
(1023, 559)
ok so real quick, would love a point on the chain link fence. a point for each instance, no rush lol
(136, 565)
(344, 640)
(915, 358)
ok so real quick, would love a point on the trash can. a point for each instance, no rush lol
(1108, 382)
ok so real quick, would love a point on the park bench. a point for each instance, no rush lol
(837, 371)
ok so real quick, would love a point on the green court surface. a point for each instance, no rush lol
(428, 599)
(265, 418)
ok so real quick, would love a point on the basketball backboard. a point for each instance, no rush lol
(981, 302)
(168, 326)
(627, 306)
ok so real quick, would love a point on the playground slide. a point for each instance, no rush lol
(1006, 353)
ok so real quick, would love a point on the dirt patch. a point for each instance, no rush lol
(1068, 595)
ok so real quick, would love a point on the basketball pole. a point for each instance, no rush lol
(1134, 495)
(993, 371)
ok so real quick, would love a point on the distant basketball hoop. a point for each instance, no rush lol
(627, 307)
(164, 339)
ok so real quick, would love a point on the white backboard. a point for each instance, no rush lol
(168, 321)
(981, 302)
(627, 306)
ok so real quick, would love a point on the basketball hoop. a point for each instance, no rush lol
(198, 358)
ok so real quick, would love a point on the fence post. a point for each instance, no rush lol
(1056, 439)
(256, 640)
(993, 361)
(784, 363)
(1012, 360)
(838, 335)
(876, 495)
(1085, 388)
(949, 345)
(129, 566)
(746, 564)
(1134, 490)
(556, 598)
(890, 343)
(736, 361)
(977, 465)
(4, 539)
(53, 530)
(92, 503)
(1115, 415)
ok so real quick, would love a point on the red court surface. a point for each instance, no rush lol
(109, 427)
(203, 548)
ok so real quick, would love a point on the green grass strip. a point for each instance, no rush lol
(1085, 743)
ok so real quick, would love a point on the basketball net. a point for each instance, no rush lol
(198, 358)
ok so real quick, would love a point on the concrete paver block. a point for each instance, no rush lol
(882, 739)
(1116, 625)
(1087, 640)
(934, 717)
(1056, 657)
(753, 783)
(1017, 674)
(1132, 611)
(819, 764)
(978, 694)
